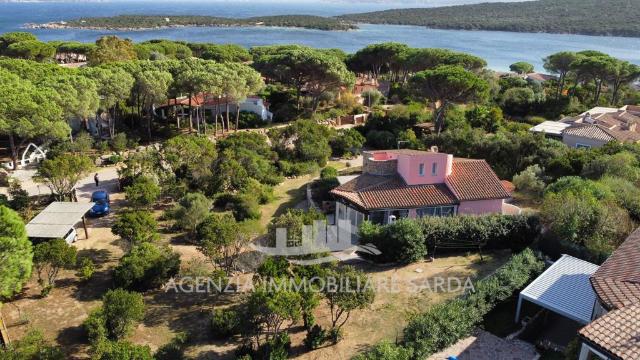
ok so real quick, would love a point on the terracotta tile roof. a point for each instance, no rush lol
(470, 180)
(617, 333)
(391, 192)
(508, 186)
(617, 282)
(589, 131)
(475, 180)
(605, 126)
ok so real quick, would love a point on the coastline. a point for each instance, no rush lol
(215, 23)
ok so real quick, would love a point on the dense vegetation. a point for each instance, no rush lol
(550, 16)
(202, 183)
(407, 241)
(158, 21)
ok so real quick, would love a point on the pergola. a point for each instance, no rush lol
(55, 221)
(563, 288)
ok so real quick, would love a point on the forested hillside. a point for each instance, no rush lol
(158, 21)
(589, 17)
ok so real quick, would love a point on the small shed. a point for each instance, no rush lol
(563, 288)
(57, 219)
(550, 128)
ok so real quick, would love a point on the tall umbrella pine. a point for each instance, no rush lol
(76, 95)
(301, 67)
(153, 86)
(114, 85)
(244, 81)
(446, 85)
(560, 64)
(28, 112)
(212, 85)
(192, 81)
(623, 72)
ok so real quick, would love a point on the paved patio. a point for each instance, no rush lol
(486, 346)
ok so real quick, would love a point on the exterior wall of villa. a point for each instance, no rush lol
(573, 141)
(409, 168)
(480, 207)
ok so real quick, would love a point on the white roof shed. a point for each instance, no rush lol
(57, 219)
(550, 127)
(563, 288)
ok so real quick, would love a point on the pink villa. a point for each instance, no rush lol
(398, 184)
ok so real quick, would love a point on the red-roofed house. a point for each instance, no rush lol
(615, 330)
(408, 183)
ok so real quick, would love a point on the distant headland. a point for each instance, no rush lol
(146, 22)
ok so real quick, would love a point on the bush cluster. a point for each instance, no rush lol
(147, 266)
(408, 240)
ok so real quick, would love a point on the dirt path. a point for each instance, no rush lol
(108, 181)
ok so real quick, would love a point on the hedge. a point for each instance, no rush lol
(444, 324)
(407, 240)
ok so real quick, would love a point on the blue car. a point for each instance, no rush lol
(102, 203)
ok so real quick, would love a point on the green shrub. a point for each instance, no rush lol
(146, 267)
(225, 322)
(96, 327)
(135, 227)
(246, 208)
(490, 231)
(119, 142)
(115, 319)
(86, 268)
(529, 180)
(174, 350)
(243, 207)
(32, 346)
(20, 200)
(143, 192)
(190, 211)
(293, 220)
(402, 241)
(328, 172)
(115, 159)
(120, 350)
(289, 168)
(274, 267)
(385, 351)
(121, 309)
(249, 120)
(407, 240)
(276, 348)
(315, 338)
(262, 192)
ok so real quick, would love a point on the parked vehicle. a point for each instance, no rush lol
(102, 203)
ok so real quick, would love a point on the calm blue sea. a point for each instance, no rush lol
(499, 48)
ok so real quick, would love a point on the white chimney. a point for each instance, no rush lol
(588, 119)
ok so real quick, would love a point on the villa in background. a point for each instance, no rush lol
(595, 127)
(397, 184)
(212, 104)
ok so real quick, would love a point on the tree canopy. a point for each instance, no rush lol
(16, 253)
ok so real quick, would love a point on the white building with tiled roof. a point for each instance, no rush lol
(596, 127)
